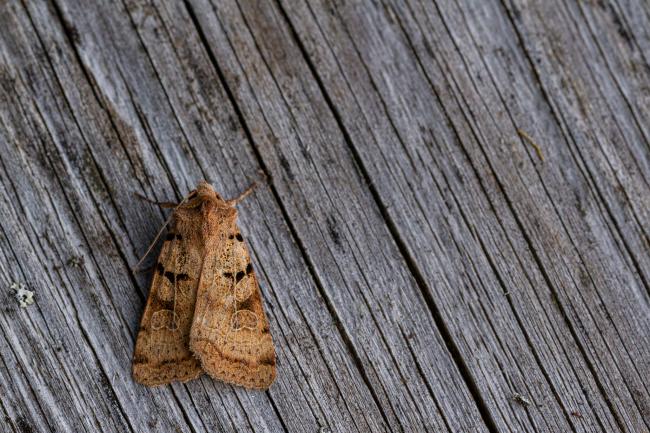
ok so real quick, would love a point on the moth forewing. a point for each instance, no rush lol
(162, 351)
(230, 331)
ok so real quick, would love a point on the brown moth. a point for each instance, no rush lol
(204, 311)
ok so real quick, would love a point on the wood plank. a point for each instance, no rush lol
(618, 34)
(561, 336)
(601, 97)
(457, 213)
(267, 47)
(119, 131)
(74, 345)
(335, 216)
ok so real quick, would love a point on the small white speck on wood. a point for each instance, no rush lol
(25, 297)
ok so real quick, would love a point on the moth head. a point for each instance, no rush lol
(204, 190)
(209, 201)
(203, 193)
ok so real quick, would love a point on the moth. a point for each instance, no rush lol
(204, 311)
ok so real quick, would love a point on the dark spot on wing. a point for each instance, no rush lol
(172, 361)
(268, 359)
(239, 276)
(246, 304)
(249, 268)
(140, 359)
(160, 268)
(227, 275)
(231, 236)
(239, 237)
(178, 277)
(165, 305)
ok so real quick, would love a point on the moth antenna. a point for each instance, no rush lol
(153, 243)
(235, 201)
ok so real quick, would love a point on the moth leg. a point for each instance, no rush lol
(145, 270)
(165, 204)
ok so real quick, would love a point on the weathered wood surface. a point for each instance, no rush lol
(422, 260)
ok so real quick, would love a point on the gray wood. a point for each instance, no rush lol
(421, 263)
(308, 397)
(423, 87)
